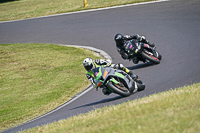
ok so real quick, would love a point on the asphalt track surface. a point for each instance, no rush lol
(174, 26)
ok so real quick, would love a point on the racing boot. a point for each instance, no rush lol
(135, 60)
(106, 91)
(151, 44)
(133, 76)
(123, 68)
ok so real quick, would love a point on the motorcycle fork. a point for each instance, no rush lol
(116, 83)
(146, 46)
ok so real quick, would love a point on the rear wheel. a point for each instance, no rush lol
(119, 89)
(150, 57)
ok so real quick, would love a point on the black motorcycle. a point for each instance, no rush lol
(142, 51)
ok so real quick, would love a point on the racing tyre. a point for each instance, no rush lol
(159, 56)
(119, 89)
(140, 85)
(150, 58)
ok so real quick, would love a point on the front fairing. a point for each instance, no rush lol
(102, 75)
(127, 80)
(98, 76)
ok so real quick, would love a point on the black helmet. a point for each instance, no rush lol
(119, 39)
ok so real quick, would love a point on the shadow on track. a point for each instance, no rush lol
(139, 66)
(4, 1)
(98, 102)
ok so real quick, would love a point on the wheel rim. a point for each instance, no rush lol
(121, 87)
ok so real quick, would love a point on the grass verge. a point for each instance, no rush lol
(22, 9)
(167, 112)
(36, 78)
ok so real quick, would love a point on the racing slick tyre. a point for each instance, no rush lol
(150, 58)
(140, 85)
(119, 89)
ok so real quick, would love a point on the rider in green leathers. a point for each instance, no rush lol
(89, 65)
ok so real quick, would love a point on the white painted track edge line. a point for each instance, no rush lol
(91, 10)
(75, 97)
(61, 106)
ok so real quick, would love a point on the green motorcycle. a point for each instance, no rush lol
(117, 81)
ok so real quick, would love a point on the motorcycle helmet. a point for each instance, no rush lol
(88, 64)
(119, 39)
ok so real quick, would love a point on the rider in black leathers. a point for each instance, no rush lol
(120, 40)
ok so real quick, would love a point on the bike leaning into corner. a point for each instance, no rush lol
(117, 81)
(112, 78)
(136, 48)
(141, 51)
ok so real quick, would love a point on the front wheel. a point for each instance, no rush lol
(140, 85)
(159, 56)
(150, 57)
(118, 89)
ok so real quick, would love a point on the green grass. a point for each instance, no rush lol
(36, 78)
(22, 9)
(175, 111)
